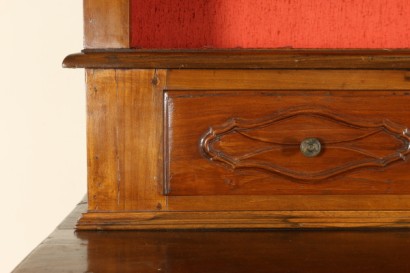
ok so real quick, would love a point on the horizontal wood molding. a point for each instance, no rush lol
(241, 59)
(286, 202)
(290, 79)
(244, 219)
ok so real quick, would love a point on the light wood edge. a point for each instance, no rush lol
(106, 24)
(244, 220)
(290, 79)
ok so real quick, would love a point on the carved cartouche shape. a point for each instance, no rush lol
(256, 144)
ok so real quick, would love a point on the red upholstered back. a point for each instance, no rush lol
(270, 23)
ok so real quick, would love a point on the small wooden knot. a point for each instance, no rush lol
(159, 206)
(155, 80)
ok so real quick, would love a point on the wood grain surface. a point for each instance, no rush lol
(244, 219)
(124, 136)
(289, 79)
(282, 202)
(70, 251)
(106, 24)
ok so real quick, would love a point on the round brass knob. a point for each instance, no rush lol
(310, 147)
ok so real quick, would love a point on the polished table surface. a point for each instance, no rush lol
(197, 251)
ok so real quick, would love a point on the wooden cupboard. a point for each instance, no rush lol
(241, 138)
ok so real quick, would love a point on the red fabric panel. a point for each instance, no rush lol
(270, 23)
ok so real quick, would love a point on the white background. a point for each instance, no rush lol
(42, 122)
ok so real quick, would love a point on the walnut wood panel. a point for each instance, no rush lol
(181, 251)
(288, 79)
(125, 139)
(106, 24)
(103, 190)
(234, 59)
(374, 130)
(244, 219)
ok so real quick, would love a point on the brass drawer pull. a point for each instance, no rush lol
(310, 147)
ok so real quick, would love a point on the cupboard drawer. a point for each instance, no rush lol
(212, 139)
(248, 142)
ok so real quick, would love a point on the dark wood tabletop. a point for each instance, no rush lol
(197, 251)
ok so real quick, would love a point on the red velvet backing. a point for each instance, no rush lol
(270, 23)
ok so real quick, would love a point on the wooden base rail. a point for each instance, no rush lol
(244, 219)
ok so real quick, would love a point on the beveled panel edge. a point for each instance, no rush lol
(244, 220)
(241, 59)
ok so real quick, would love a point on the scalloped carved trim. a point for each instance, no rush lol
(246, 161)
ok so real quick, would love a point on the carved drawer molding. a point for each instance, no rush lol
(272, 142)
(262, 131)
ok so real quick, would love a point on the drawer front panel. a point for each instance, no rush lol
(287, 142)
